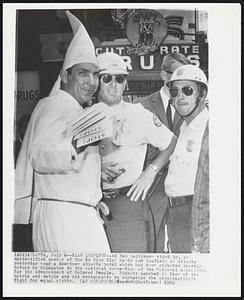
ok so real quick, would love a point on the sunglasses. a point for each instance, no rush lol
(108, 78)
(186, 90)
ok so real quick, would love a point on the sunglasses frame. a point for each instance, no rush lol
(111, 78)
(186, 86)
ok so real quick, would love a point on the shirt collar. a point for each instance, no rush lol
(201, 117)
(164, 97)
(118, 107)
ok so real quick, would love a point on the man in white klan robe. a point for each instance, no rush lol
(57, 184)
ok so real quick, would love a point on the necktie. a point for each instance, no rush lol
(169, 116)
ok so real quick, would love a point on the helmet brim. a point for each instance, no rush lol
(169, 83)
(113, 72)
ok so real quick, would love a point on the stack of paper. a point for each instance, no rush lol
(92, 125)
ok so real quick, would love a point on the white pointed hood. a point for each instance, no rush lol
(80, 50)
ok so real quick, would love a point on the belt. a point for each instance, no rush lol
(100, 207)
(113, 193)
(179, 201)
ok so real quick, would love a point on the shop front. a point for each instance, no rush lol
(149, 35)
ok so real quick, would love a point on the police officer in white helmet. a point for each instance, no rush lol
(188, 89)
(124, 181)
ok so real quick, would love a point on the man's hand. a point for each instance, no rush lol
(142, 185)
(111, 171)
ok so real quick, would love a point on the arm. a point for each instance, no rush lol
(111, 171)
(51, 150)
(159, 136)
(146, 179)
(200, 204)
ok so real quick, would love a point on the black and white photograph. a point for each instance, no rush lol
(116, 150)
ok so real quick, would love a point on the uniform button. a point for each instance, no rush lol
(102, 147)
(73, 157)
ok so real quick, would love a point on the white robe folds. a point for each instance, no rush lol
(49, 172)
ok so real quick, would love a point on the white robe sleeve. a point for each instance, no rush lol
(51, 150)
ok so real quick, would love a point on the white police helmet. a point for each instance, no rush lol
(189, 72)
(111, 63)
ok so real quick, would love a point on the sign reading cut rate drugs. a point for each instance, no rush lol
(196, 53)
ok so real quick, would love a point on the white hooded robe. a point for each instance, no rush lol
(49, 172)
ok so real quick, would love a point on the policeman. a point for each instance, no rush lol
(159, 104)
(125, 184)
(188, 89)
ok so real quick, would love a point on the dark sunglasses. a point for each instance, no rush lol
(186, 90)
(108, 78)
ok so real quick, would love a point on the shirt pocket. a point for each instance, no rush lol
(125, 134)
(191, 153)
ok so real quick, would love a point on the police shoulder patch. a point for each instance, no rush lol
(156, 121)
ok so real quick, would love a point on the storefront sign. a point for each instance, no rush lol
(196, 53)
(27, 93)
(146, 30)
(144, 86)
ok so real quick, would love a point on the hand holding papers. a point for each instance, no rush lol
(91, 125)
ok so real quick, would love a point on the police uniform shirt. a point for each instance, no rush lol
(133, 128)
(184, 160)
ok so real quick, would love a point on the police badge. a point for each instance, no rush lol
(122, 127)
(126, 126)
(190, 145)
(156, 121)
